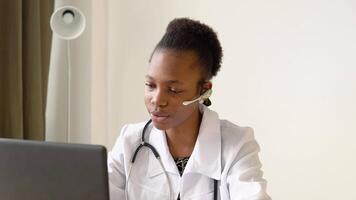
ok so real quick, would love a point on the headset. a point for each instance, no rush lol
(202, 98)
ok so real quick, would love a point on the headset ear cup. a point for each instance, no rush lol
(207, 102)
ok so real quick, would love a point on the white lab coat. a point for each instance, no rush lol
(223, 151)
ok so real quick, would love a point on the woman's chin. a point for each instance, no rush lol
(161, 123)
(160, 126)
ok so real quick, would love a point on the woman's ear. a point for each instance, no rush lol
(207, 85)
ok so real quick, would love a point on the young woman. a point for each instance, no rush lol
(185, 151)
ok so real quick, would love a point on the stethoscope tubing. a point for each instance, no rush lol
(156, 154)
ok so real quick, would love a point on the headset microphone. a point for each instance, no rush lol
(203, 97)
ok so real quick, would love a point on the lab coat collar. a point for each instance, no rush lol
(206, 155)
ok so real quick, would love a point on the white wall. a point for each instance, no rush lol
(99, 78)
(289, 71)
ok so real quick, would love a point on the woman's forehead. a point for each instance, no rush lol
(174, 66)
(168, 81)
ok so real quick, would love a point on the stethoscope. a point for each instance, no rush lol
(143, 143)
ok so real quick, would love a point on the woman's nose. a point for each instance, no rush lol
(159, 99)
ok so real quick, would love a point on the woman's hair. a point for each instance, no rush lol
(184, 34)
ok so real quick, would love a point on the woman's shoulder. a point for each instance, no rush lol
(229, 131)
(237, 142)
(129, 137)
(133, 128)
(234, 137)
(132, 131)
(235, 132)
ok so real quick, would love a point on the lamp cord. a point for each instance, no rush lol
(68, 92)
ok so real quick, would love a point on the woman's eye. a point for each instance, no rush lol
(149, 85)
(175, 91)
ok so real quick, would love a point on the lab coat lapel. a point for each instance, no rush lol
(206, 156)
(157, 139)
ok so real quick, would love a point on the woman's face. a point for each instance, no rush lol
(172, 78)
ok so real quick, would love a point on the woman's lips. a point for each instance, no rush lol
(159, 117)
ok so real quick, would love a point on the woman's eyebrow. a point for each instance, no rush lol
(167, 81)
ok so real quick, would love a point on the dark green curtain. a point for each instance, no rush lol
(25, 41)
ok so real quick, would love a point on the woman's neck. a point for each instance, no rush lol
(181, 140)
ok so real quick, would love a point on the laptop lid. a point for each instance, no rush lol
(35, 170)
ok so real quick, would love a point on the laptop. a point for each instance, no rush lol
(34, 170)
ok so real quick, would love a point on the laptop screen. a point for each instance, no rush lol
(34, 170)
